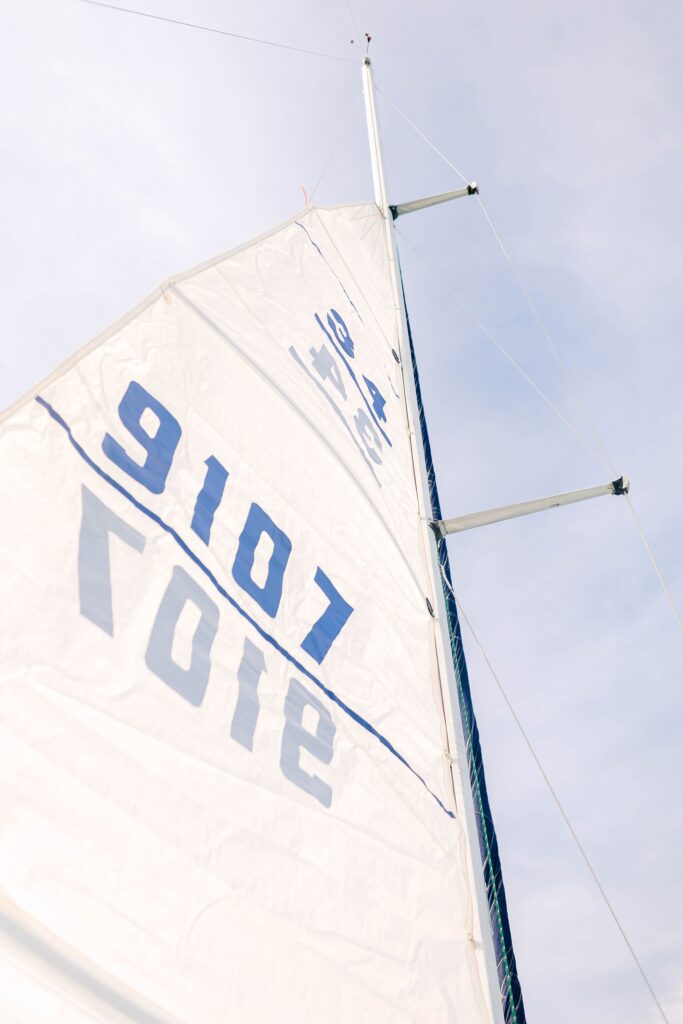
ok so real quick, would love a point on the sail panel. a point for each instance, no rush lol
(222, 736)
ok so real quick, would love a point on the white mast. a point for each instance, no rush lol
(444, 527)
(481, 931)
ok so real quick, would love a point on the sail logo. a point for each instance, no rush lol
(364, 424)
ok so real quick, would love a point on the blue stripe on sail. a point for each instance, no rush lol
(245, 615)
(510, 988)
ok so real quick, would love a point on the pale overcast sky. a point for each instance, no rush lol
(133, 149)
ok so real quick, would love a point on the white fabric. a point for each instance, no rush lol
(151, 858)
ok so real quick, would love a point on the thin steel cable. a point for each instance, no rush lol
(482, 327)
(353, 20)
(217, 31)
(606, 459)
(518, 279)
(342, 134)
(573, 388)
(465, 181)
(556, 799)
(571, 384)
(655, 564)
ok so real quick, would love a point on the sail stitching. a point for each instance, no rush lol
(339, 281)
(330, 694)
(351, 274)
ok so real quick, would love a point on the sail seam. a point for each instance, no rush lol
(103, 992)
(351, 275)
(330, 694)
(324, 258)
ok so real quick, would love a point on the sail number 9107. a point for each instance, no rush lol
(136, 409)
(155, 428)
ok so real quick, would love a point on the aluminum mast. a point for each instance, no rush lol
(459, 771)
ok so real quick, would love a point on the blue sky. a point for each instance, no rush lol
(133, 149)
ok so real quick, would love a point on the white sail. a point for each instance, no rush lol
(224, 764)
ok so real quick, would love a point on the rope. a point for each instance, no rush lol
(557, 801)
(217, 31)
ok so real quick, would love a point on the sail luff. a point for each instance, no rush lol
(470, 794)
(494, 889)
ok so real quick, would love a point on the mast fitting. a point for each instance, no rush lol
(444, 197)
(443, 527)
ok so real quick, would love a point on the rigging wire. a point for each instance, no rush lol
(605, 458)
(655, 563)
(342, 134)
(356, 32)
(555, 797)
(353, 20)
(217, 31)
(571, 384)
(465, 181)
(501, 348)
(573, 388)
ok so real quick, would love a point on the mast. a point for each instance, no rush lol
(492, 929)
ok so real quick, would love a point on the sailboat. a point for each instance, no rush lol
(247, 781)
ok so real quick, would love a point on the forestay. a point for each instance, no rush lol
(224, 784)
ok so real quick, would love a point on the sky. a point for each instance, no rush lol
(133, 149)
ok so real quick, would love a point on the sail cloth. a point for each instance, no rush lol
(222, 769)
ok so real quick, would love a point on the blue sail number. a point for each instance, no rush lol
(160, 446)
(138, 406)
